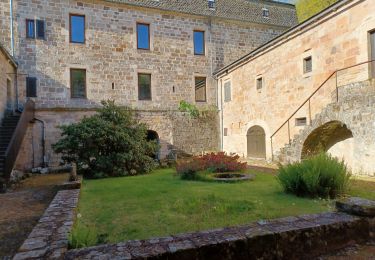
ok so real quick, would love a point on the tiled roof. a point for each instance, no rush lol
(245, 10)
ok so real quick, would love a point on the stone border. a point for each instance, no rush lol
(49, 238)
(286, 238)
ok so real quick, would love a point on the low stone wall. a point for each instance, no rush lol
(49, 238)
(286, 238)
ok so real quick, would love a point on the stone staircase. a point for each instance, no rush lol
(354, 111)
(7, 128)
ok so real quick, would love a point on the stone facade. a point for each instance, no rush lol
(7, 80)
(335, 39)
(112, 60)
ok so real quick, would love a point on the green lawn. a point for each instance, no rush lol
(161, 204)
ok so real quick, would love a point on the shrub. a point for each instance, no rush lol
(109, 143)
(212, 162)
(319, 176)
(190, 108)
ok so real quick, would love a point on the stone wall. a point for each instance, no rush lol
(110, 54)
(7, 76)
(177, 132)
(355, 112)
(335, 41)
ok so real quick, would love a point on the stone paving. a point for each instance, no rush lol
(49, 238)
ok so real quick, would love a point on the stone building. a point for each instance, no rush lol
(146, 54)
(309, 89)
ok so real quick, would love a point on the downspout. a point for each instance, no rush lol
(222, 115)
(11, 27)
(44, 163)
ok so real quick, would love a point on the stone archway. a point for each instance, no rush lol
(154, 136)
(256, 142)
(326, 137)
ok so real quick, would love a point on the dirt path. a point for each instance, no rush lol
(21, 209)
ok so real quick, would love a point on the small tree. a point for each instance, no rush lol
(110, 143)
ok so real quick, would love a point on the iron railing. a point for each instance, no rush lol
(333, 75)
(17, 137)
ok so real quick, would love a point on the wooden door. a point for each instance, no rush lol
(256, 142)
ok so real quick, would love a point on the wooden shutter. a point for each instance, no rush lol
(40, 29)
(30, 87)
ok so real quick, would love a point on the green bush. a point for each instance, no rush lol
(189, 108)
(110, 143)
(319, 176)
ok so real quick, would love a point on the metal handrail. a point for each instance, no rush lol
(17, 137)
(309, 98)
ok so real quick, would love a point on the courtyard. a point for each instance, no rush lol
(161, 204)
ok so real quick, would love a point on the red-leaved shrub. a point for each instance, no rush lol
(213, 162)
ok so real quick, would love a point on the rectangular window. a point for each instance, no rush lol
(200, 89)
(144, 86)
(259, 83)
(199, 44)
(30, 87)
(307, 65)
(225, 131)
(77, 28)
(265, 13)
(40, 29)
(30, 29)
(227, 91)
(78, 83)
(143, 36)
(301, 121)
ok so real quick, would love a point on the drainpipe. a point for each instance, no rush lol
(11, 27)
(222, 115)
(44, 164)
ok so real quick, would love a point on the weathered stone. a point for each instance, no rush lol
(357, 206)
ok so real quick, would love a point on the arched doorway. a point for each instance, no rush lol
(326, 137)
(151, 136)
(256, 142)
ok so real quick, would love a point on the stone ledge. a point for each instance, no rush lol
(49, 238)
(292, 237)
(357, 206)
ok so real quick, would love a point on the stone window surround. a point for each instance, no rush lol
(153, 83)
(84, 28)
(76, 11)
(199, 75)
(307, 54)
(204, 42)
(67, 76)
(150, 32)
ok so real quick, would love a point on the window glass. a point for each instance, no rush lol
(200, 89)
(78, 83)
(198, 43)
(144, 86)
(40, 29)
(77, 28)
(143, 36)
(30, 28)
(30, 87)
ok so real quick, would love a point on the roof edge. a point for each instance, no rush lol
(287, 33)
(9, 56)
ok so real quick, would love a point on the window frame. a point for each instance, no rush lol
(204, 42)
(228, 99)
(70, 28)
(265, 13)
(27, 29)
(205, 89)
(261, 80)
(37, 29)
(149, 35)
(71, 83)
(301, 121)
(305, 60)
(139, 87)
(28, 79)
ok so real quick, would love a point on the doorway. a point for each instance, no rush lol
(256, 142)
(9, 99)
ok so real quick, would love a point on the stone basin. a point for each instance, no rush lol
(232, 177)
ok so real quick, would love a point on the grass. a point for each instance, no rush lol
(160, 204)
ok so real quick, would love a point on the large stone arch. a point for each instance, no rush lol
(326, 137)
(267, 133)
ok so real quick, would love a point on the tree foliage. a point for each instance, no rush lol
(110, 143)
(308, 8)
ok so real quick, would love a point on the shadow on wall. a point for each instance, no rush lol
(333, 137)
